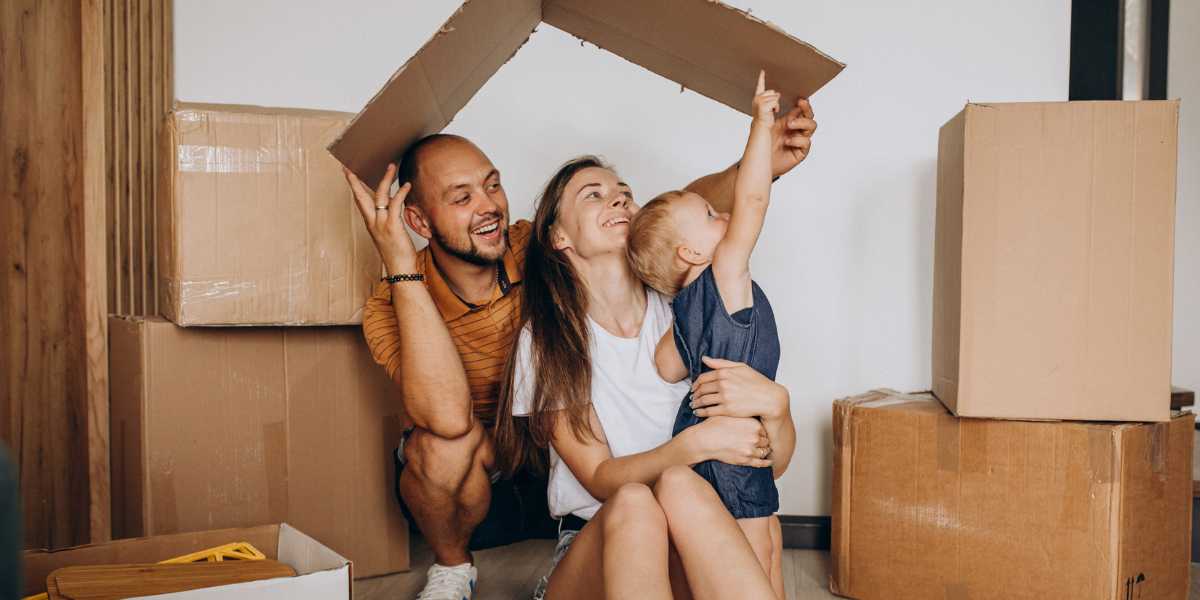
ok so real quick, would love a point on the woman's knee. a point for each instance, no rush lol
(634, 505)
(681, 492)
(676, 482)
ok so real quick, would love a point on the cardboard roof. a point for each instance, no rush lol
(704, 45)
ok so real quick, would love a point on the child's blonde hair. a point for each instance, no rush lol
(653, 243)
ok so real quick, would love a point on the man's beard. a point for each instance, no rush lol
(469, 252)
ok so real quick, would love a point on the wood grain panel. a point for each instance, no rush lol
(53, 371)
(141, 92)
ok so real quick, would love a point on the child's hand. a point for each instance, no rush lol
(766, 102)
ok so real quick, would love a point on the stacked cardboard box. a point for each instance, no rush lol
(256, 225)
(217, 427)
(1052, 332)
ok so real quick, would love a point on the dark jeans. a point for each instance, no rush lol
(518, 510)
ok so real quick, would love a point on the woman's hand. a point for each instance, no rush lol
(729, 440)
(734, 389)
(384, 217)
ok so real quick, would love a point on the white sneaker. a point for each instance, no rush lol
(449, 583)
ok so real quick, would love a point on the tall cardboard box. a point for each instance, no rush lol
(1054, 260)
(235, 427)
(927, 505)
(256, 225)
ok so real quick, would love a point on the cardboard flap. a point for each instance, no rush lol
(704, 45)
(427, 91)
(305, 554)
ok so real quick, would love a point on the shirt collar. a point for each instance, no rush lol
(448, 303)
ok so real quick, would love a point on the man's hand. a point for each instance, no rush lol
(384, 217)
(791, 138)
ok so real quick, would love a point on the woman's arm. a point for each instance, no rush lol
(734, 389)
(730, 440)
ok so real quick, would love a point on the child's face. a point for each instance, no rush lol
(700, 226)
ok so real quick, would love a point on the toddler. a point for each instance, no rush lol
(683, 248)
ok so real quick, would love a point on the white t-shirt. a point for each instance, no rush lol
(635, 406)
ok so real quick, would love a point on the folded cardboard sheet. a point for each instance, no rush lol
(1053, 260)
(704, 45)
(256, 225)
(321, 573)
(927, 505)
(233, 427)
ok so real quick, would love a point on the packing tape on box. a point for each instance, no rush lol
(1160, 434)
(275, 452)
(164, 507)
(948, 443)
(1101, 443)
(195, 158)
(956, 591)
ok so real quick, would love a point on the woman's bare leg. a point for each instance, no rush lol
(679, 584)
(621, 554)
(718, 560)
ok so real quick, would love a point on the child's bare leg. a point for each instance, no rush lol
(776, 573)
(759, 533)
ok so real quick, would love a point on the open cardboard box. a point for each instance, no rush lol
(704, 45)
(321, 573)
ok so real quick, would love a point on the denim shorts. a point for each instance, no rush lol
(568, 528)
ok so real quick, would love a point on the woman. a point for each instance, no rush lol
(583, 378)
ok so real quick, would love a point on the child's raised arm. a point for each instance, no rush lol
(751, 194)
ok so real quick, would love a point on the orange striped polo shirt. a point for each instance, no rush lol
(483, 334)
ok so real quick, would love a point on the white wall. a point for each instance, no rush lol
(1183, 81)
(847, 255)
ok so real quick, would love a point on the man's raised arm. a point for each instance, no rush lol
(404, 329)
(791, 140)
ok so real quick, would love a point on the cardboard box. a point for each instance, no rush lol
(256, 225)
(927, 505)
(703, 45)
(1053, 260)
(321, 573)
(233, 427)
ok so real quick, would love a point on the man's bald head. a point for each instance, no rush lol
(456, 200)
(425, 155)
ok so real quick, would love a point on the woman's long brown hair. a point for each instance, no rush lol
(554, 305)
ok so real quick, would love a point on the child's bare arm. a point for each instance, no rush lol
(751, 194)
(667, 360)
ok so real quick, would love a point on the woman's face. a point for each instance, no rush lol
(594, 213)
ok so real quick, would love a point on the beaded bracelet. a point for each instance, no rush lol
(403, 277)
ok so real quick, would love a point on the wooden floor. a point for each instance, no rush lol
(511, 573)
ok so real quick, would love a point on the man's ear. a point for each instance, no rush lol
(689, 256)
(416, 219)
(559, 240)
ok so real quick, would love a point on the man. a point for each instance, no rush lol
(442, 324)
